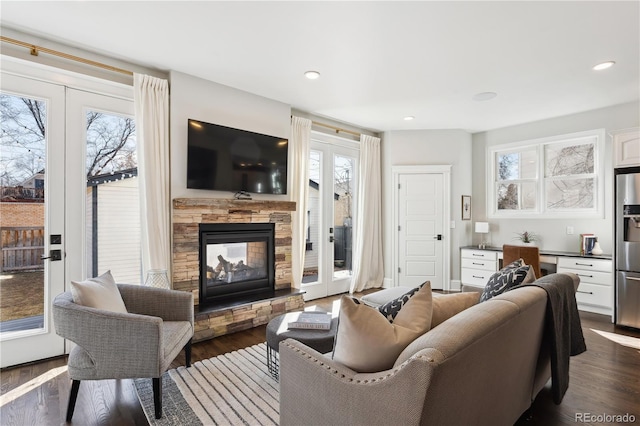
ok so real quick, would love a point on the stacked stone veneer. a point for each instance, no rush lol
(188, 213)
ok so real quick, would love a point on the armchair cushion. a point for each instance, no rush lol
(367, 342)
(99, 292)
(173, 335)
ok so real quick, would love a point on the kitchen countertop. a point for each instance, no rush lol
(544, 252)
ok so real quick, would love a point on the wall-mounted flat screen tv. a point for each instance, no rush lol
(226, 159)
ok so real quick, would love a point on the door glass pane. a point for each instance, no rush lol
(112, 199)
(343, 187)
(314, 207)
(22, 177)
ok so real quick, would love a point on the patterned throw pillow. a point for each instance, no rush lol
(391, 308)
(514, 274)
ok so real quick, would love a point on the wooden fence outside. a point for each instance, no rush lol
(22, 248)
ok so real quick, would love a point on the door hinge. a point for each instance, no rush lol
(398, 186)
(398, 227)
(399, 270)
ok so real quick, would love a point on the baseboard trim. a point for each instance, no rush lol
(454, 285)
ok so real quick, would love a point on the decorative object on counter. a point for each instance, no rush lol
(482, 228)
(526, 237)
(587, 241)
(157, 278)
(466, 207)
(242, 195)
(596, 250)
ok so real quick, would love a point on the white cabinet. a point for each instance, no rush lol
(595, 293)
(626, 148)
(477, 266)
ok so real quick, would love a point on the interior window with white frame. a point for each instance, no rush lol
(558, 176)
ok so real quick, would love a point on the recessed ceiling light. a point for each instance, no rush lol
(604, 65)
(409, 118)
(312, 75)
(484, 96)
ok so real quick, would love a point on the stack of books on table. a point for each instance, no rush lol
(312, 320)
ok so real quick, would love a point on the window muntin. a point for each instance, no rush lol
(570, 180)
(517, 172)
(554, 177)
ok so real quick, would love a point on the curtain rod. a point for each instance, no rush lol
(35, 50)
(337, 129)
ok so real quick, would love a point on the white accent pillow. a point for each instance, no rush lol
(99, 292)
(367, 342)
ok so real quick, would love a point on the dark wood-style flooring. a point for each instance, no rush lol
(604, 380)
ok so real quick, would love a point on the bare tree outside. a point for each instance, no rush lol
(569, 176)
(22, 138)
(111, 144)
(567, 169)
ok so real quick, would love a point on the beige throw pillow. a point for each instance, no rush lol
(99, 292)
(447, 305)
(367, 342)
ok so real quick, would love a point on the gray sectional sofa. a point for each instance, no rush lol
(483, 366)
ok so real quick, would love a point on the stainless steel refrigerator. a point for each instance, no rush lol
(628, 247)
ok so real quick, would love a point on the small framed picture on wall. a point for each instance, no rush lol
(466, 207)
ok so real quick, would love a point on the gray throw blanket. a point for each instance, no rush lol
(562, 329)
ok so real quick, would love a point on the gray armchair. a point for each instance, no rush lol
(113, 345)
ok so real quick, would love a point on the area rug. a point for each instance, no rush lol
(230, 389)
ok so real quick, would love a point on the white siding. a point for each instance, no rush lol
(89, 232)
(311, 256)
(119, 230)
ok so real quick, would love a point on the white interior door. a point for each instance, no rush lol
(32, 220)
(330, 219)
(422, 237)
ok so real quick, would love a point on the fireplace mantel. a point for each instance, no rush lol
(228, 204)
(188, 213)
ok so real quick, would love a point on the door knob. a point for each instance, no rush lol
(53, 255)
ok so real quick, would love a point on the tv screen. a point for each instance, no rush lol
(226, 159)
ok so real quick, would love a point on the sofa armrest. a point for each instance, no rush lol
(170, 305)
(315, 390)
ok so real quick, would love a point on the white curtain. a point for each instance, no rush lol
(151, 97)
(368, 271)
(299, 144)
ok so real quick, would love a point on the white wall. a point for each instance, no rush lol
(552, 231)
(193, 97)
(428, 147)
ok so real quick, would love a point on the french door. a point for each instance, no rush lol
(60, 218)
(32, 220)
(333, 194)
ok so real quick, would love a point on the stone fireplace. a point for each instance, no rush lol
(236, 260)
(216, 317)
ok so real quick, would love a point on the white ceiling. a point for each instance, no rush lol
(380, 61)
